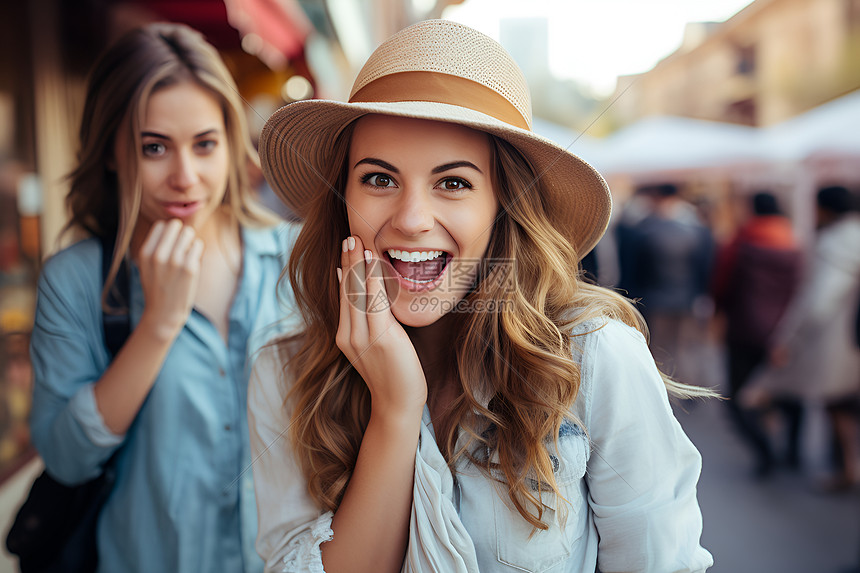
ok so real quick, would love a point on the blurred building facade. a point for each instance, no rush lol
(773, 60)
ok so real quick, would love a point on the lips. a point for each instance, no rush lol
(181, 209)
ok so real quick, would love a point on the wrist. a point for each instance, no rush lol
(157, 329)
(401, 419)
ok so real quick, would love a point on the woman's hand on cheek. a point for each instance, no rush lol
(372, 339)
(169, 264)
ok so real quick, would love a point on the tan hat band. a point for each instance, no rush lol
(440, 88)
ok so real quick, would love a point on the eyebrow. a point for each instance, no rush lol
(378, 163)
(208, 132)
(455, 165)
(440, 169)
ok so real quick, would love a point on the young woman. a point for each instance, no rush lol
(162, 173)
(459, 399)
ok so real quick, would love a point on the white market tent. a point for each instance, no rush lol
(794, 157)
(670, 143)
(831, 129)
(667, 143)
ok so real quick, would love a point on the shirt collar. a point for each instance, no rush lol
(264, 241)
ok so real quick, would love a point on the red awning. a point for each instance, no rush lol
(273, 30)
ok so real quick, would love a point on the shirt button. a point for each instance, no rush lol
(228, 427)
(221, 372)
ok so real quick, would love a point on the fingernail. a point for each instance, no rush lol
(368, 256)
(345, 245)
(339, 274)
(351, 241)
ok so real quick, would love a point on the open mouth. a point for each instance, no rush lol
(419, 267)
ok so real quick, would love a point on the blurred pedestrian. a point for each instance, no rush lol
(162, 176)
(755, 277)
(665, 255)
(814, 355)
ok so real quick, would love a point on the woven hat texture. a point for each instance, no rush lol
(444, 71)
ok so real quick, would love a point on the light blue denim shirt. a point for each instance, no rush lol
(184, 498)
(628, 485)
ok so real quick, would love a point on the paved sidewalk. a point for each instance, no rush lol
(781, 525)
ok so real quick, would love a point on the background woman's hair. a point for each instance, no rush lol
(104, 198)
(515, 365)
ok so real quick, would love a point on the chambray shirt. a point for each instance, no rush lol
(184, 498)
(629, 482)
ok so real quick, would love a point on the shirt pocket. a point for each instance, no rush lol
(518, 544)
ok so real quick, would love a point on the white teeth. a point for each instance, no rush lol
(414, 256)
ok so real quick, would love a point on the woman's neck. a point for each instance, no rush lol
(437, 354)
(433, 343)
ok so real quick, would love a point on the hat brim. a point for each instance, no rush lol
(296, 144)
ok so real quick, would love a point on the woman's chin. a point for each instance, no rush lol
(416, 320)
(417, 313)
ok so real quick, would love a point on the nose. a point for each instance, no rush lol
(413, 213)
(184, 171)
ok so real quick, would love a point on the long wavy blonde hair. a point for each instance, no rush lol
(515, 369)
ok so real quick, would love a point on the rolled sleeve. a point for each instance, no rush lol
(83, 405)
(643, 469)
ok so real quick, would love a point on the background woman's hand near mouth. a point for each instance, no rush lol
(169, 264)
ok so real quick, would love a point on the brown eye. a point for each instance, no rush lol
(455, 184)
(378, 180)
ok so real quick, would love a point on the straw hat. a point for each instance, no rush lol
(438, 70)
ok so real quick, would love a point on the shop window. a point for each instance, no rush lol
(742, 112)
(746, 60)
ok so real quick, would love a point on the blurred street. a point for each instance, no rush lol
(778, 525)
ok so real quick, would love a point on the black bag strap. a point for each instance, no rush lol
(117, 325)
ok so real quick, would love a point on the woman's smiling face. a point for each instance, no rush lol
(420, 196)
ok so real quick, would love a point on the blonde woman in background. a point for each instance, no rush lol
(162, 174)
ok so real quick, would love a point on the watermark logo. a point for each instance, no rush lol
(356, 286)
(439, 305)
(498, 276)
